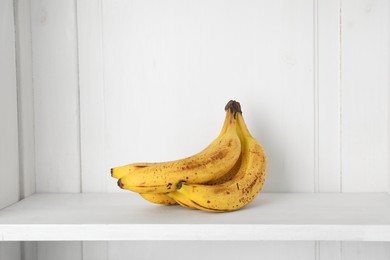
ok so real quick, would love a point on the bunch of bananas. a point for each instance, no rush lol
(227, 175)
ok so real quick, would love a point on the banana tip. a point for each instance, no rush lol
(112, 170)
(120, 184)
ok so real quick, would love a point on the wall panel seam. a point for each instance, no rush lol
(340, 112)
(21, 7)
(104, 81)
(33, 98)
(340, 97)
(316, 95)
(82, 246)
(79, 95)
(316, 100)
(18, 101)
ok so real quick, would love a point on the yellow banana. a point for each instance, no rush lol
(163, 198)
(119, 172)
(234, 194)
(181, 200)
(228, 176)
(158, 198)
(187, 203)
(208, 165)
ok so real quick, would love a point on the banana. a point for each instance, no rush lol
(164, 198)
(182, 200)
(208, 165)
(235, 193)
(119, 172)
(159, 198)
(228, 176)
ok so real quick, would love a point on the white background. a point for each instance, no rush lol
(88, 85)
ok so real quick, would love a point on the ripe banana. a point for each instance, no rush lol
(208, 165)
(119, 172)
(182, 200)
(164, 198)
(158, 198)
(235, 193)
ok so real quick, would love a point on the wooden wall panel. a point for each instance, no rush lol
(56, 98)
(95, 171)
(29, 250)
(327, 80)
(365, 95)
(211, 250)
(329, 250)
(366, 250)
(59, 250)
(25, 97)
(10, 251)
(9, 163)
(97, 250)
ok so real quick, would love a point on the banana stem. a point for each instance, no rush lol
(234, 107)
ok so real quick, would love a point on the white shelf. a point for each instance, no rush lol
(125, 216)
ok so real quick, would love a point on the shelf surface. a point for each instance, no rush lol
(126, 216)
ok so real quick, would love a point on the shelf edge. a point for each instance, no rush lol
(198, 232)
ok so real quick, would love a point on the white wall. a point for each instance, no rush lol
(25, 93)
(311, 76)
(104, 83)
(9, 164)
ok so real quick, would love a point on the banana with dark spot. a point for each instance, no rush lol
(206, 166)
(236, 192)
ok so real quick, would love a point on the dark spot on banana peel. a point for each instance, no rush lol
(250, 186)
(220, 155)
(179, 185)
(191, 166)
